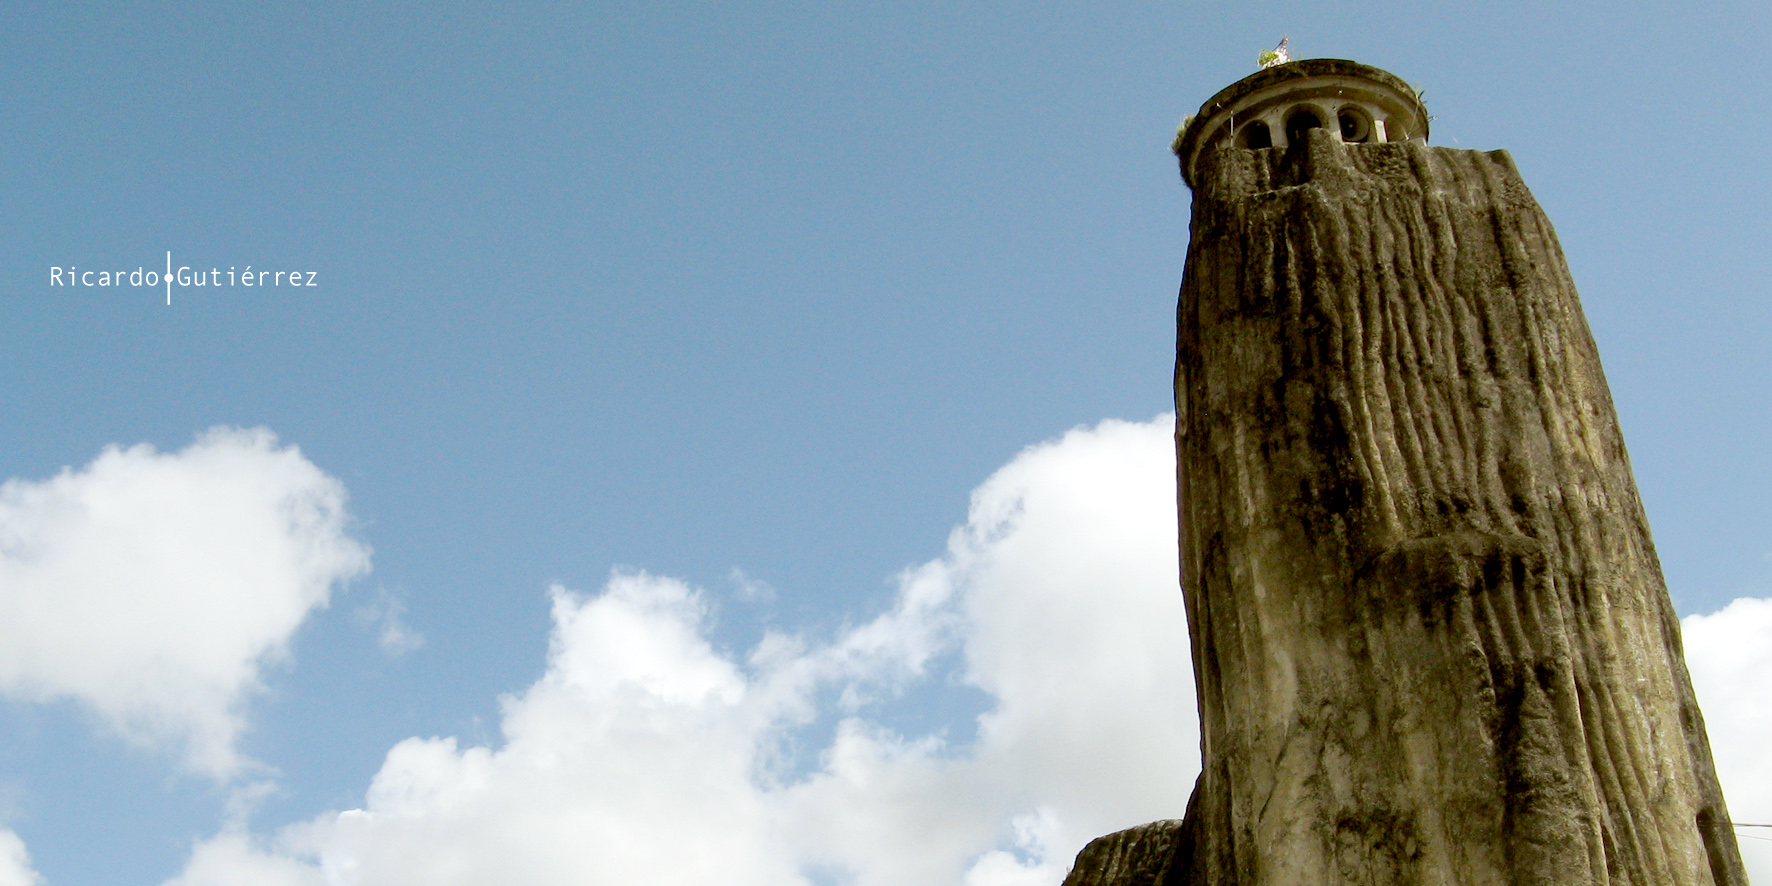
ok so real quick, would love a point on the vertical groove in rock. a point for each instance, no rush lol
(1431, 638)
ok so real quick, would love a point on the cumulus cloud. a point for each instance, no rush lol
(15, 862)
(1729, 653)
(1062, 588)
(645, 755)
(233, 858)
(152, 587)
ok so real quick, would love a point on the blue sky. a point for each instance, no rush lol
(742, 302)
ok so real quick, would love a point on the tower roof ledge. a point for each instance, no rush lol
(1263, 109)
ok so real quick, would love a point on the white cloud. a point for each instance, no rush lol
(385, 614)
(1063, 586)
(153, 586)
(1729, 653)
(232, 859)
(750, 590)
(631, 760)
(15, 862)
(643, 755)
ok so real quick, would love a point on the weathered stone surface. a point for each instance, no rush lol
(1431, 638)
(1140, 856)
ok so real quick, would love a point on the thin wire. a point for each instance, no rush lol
(1743, 824)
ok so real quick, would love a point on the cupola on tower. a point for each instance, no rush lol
(1276, 108)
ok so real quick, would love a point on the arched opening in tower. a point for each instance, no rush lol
(1356, 127)
(1299, 122)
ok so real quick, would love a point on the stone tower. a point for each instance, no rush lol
(1431, 638)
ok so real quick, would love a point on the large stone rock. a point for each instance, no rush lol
(1431, 638)
(1140, 856)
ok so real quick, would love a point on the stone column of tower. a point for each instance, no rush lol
(1431, 639)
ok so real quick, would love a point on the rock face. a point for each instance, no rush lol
(1140, 856)
(1431, 639)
